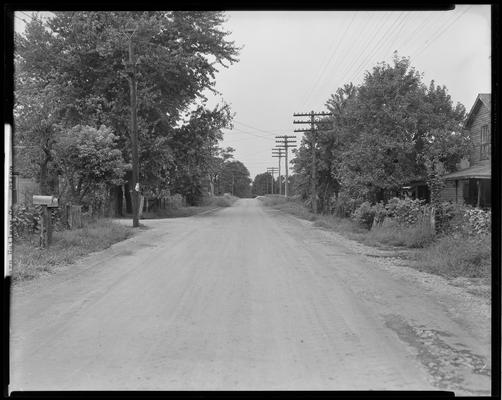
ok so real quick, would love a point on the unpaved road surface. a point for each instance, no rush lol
(245, 298)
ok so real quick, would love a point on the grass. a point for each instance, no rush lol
(448, 256)
(210, 203)
(416, 236)
(458, 257)
(29, 261)
(288, 205)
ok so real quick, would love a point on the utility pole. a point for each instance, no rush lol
(313, 130)
(272, 171)
(277, 152)
(285, 142)
(131, 72)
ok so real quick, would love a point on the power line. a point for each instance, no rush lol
(29, 16)
(257, 129)
(329, 60)
(252, 134)
(384, 47)
(420, 27)
(379, 44)
(347, 68)
(363, 57)
(313, 141)
(21, 19)
(442, 31)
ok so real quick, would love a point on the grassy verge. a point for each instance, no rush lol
(289, 206)
(468, 257)
(29, 261)
(451, 257)
(209, 204)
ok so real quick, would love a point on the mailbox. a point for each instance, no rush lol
(49, 201)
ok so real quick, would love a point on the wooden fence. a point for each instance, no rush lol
(73, 216)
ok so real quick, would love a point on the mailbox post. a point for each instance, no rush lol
(45, 222)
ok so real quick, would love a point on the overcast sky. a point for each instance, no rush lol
(292, 61)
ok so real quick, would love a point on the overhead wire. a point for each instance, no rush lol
(420, 26)
(442, 31)
(346, 68)
(25, 14)
(385, 37)
(258, 129)
(329, 60)
(364, 56)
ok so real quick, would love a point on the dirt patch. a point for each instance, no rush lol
(447, 365)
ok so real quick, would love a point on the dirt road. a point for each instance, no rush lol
(245, 298)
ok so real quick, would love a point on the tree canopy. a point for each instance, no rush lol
(71, 70)
(387, 132)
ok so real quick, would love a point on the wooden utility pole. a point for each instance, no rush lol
(277, 152)
(313, 142)
(272, 171)
(131, 72)
(285, 142)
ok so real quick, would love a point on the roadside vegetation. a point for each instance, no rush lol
(459, 245)
(391, 136)
(73, 126)
(177, 211)
(30, 261)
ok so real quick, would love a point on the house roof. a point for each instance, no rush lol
(480, 171)
(483, 98)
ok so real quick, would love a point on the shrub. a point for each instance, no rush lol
(364, 215)
(343, 205)
(380, 213)
(476, 222)
(25, 220)
(405, 211)
(461, 220)
(447, 215)
(175, 201)
(222, 201)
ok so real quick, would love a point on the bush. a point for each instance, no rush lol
(476, 222)
(222, 201)
(343, 205)
(25, 220)
(364, 215)
(405, 211)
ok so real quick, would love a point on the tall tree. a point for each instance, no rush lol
(262, 184)
(235, 179)
(83, 56)
(389, 131)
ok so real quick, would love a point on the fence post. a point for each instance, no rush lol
(69, 216)
(45, 227)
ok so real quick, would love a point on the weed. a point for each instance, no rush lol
(29, 261)
(458, 256)
(418, 235)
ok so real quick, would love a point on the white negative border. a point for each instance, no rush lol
(7, 200)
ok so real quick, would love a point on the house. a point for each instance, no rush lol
(472, 183)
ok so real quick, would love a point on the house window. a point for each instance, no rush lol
(485, 143)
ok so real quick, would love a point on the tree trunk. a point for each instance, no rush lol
(44, 176)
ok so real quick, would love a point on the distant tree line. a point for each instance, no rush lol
(72, 102)
(389, 131)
